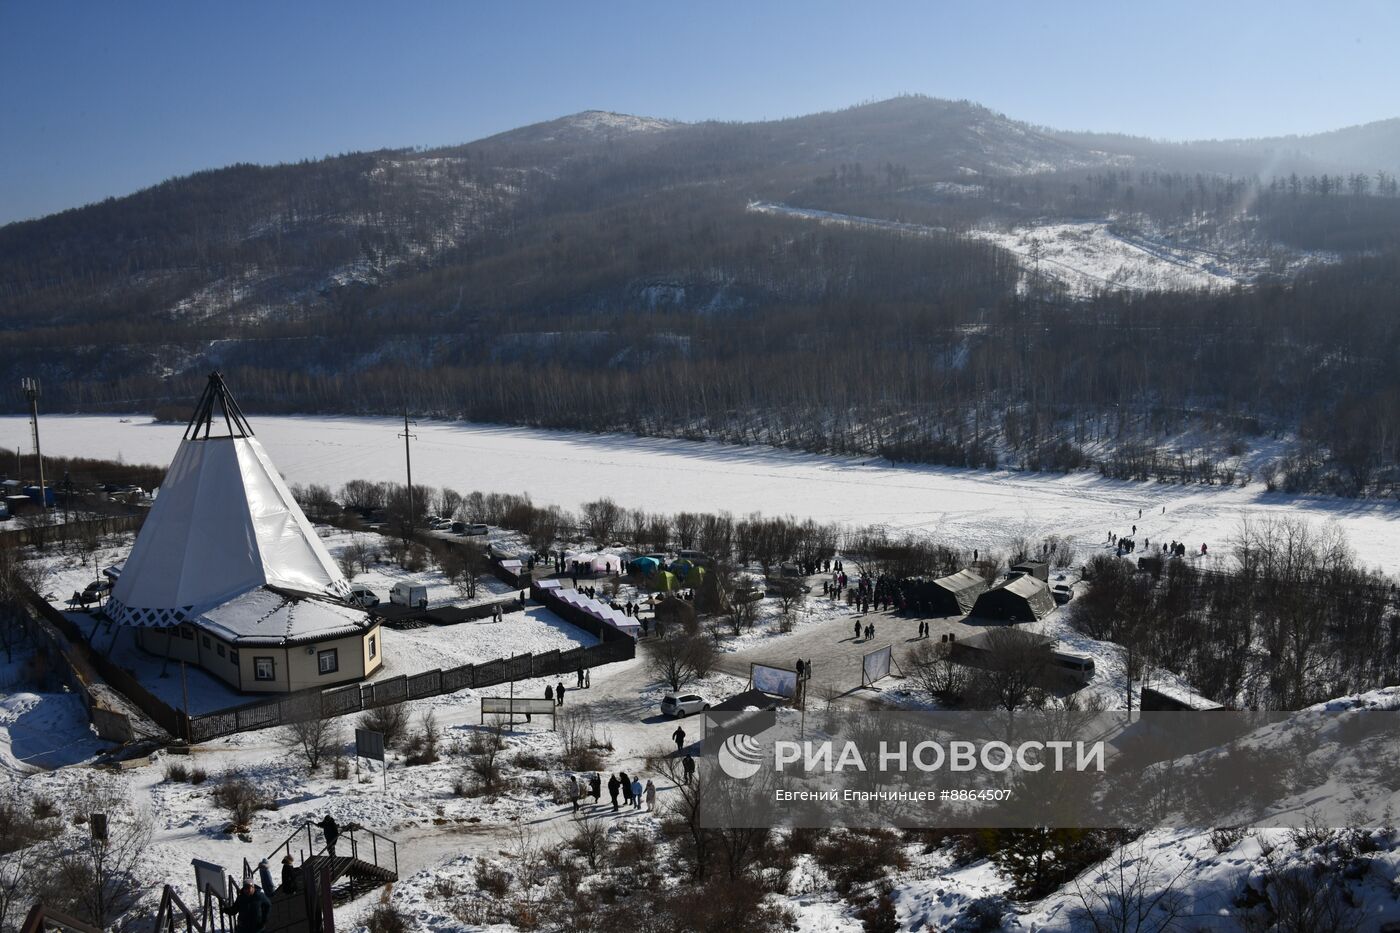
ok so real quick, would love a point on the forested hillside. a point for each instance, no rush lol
(924, 279)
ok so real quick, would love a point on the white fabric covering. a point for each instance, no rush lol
(224, 524)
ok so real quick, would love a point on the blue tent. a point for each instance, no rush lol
(646, 566)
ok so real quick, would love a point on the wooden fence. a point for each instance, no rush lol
(69, 531)
(353, 698)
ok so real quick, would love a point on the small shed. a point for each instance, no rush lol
(1174, 699)
(1022, 598)
(1040, 569)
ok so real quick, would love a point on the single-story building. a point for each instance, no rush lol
(270, 640)
(1176, 700)
(1021, 598)
(1039, 569)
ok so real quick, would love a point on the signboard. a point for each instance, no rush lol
(775, 680)
(209, 877)
(513, 706)
(876, 664)
(369, 744)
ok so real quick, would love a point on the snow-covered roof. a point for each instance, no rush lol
(270, 617)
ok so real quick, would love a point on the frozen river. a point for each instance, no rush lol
(966, 507)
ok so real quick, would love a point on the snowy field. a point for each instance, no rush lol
(968, 508)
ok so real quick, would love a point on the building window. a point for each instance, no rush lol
(186, 633)
(206, 641)
(233, 657)
(264, 669)
(328, 661)
(221, 649)
(373, 648)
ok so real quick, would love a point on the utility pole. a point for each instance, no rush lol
(31, 393)
(408, 466)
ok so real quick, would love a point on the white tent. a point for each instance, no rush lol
(223, 524)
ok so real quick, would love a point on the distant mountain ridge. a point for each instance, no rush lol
(618, 272)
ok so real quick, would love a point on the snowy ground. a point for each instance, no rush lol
(1093, 256)
(968, 508)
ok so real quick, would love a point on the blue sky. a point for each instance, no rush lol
(100, 99)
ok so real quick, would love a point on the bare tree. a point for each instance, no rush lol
(1015, 669)
(1127, 893)
(930, 664)
(312, 734)
(677, 658)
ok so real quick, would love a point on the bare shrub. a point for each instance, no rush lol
(386, 918)
(238, 795)
(390, 721)
(422, 747)
(312, 734)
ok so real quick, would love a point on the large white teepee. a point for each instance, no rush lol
(223, 524)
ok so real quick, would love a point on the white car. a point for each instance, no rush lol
(683, 705)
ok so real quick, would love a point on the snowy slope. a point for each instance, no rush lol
(1093, 256)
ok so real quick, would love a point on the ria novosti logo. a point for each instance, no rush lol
(740, 756)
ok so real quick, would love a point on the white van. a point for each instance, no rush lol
(363, 596)
(409, 594)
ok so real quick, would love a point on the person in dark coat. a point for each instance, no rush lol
(289, 876)
(613, 787)
(679, 737)
(559, 694)
(548, 692)
(595, 786)
(626, 788)
(251, 909)
(265, 876)
(688, 765)
(332, 830)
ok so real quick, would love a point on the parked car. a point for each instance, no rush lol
(476, 529)
(96, 589)
(459, 528)
(683, 705)
(1062, 593)
(363, 596)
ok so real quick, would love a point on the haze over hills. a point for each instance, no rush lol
(618, 272)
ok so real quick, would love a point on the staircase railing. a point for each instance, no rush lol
(364, 843)
(42, 918)
(360, 835)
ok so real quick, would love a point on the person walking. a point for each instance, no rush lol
(265, 876)
(595, 787)
(688, 766)
(626, 788)
(636, 793)
(289, 876)
(573, 792)
(549, 693)
(559, 694)
(613, 788)
(679, 738)
(580, 677)
(332, 830)
(651, 795)
(587, 678)
(251, 909)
